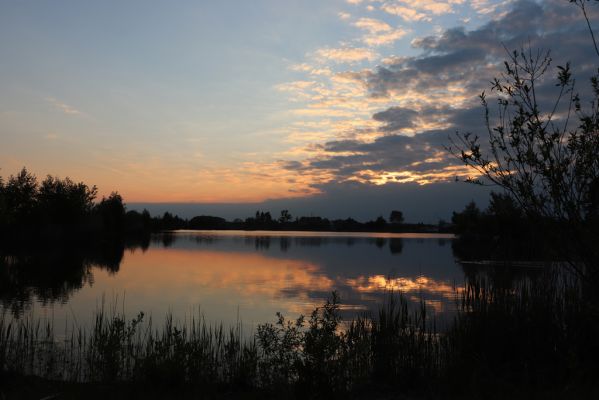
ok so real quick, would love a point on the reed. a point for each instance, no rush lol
(537, 335)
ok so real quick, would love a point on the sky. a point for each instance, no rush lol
(337, 108)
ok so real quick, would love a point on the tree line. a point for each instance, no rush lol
(264, 220)
(58, 208)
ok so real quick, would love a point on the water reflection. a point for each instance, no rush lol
(50, 275)
(233, 275)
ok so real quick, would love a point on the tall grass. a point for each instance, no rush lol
(537, 335)
(119, 350)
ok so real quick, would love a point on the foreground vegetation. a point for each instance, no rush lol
(536, 338)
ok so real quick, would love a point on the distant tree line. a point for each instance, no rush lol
(264, 220)
(57, 208)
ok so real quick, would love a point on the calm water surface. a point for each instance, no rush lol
(234, 275)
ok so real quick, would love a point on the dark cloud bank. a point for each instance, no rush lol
(363, 202)
(469, 59)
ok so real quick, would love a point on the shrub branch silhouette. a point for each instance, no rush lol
(545, 160)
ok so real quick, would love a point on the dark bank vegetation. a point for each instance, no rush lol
(532, 340)
(500, 233)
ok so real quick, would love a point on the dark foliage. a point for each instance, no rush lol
(502, 232)
(545, 161)
(60, 209)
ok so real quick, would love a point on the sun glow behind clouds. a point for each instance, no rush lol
(349, 104)
(178, 107)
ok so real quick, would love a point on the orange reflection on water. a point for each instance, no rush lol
(247, 278)
(377, 283)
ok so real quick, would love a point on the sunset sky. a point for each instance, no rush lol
(298, 102)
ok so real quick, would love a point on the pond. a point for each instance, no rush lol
(231, 276)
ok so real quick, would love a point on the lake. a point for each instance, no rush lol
(232, 275)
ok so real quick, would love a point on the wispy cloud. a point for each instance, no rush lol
(344, 15)
(426, 10)
(346, 54)
(406, 13)
(310, 69)
(379, 32)
(372, 25)
(385, 38)
(65, 108)
(422, 10)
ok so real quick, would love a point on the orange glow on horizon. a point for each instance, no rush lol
(254, 186)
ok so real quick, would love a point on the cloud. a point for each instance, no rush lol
(406, 108)
(346, 54)
(406, 13)
(486, 7)
(65, 108)
(396, 118)
(372, 25)
(468, 60)
(422, 10)
(344, 16)
(385, 38)
(394, 158)
(310, 69)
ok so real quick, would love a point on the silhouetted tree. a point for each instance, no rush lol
(3, 209)
(146, 219)
(546, 163)
(20, 194)
(111, 211)
(64, 201)
(170, 222)
(263, 217)
(467, 221)
(396, 217)
(207, 222)
(380, 222)
(285, 217)
(60, 209)
(138, 223)
(262, 220)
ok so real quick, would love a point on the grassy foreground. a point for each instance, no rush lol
(535, 339)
